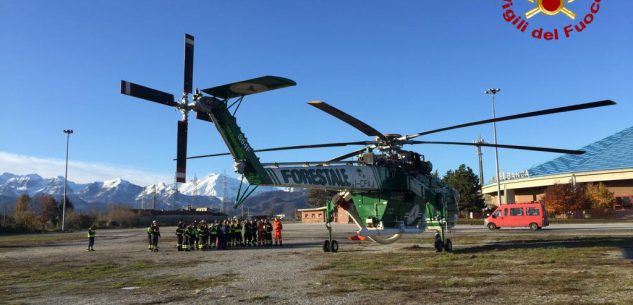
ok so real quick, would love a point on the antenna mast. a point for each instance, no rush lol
(154, 198)
(223, 192)
(195, 189)
(480, 140)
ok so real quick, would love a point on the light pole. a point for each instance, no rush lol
(480, 141)
(493, 92)
(68, 132)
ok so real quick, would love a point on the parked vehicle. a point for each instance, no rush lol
(532, 215)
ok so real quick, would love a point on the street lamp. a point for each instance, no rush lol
(67, 132)
(493, 92)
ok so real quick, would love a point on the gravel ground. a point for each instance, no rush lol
(278, 275)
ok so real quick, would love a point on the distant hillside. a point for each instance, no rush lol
(277, 202)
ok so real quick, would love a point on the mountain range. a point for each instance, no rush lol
(205, 192)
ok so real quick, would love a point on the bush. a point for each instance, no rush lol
(565, 199)
(76, 221)
(599, 196)
(121, 216)
(24, 217)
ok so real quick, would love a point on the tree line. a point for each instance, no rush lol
(44, 213)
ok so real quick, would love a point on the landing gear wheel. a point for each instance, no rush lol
(448, 246)
(492, 226)
(326, 246)
(334, 246)
(534, 226)
(438, 245)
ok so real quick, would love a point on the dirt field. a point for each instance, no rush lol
(564, 264)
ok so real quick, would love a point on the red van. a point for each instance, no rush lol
(531, 215)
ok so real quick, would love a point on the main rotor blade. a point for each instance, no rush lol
(356, 123)
(292, 148)
(250, 86)
(517, 116)
(347, 155)
(188, 63)
(181, 152)
(146, 93)
(532, 148)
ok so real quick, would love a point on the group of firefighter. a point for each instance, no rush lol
(229, 233)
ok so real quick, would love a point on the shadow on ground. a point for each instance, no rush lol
(624, 243)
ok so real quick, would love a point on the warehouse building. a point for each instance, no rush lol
(317, 215)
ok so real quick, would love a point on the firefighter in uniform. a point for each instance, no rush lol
(191, 235)
(248, 233)
(268, 232)
(155, 236)
(194, 235)
(238, 234)
(277, 227)
(222, 235)
(149, 236)
(230, 231)
(243, 226)
(180, 230)
(91, 238)
(213, 233)
(203, 235)
(260, 233)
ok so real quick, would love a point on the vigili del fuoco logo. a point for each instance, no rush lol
(576, 15)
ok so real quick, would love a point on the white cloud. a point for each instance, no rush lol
(79, 172)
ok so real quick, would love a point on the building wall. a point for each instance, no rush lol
(318, 216)
(342, 216)
(619, 188)
(313, 216)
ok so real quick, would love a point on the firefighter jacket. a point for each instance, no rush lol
(91, 232)
(155, 230)
(277, 226)
(180, 230)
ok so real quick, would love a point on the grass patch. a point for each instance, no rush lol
(29, 239)
(70, 278)
(177, 282)
(548, 270)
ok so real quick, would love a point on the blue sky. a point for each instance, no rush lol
(402, 67)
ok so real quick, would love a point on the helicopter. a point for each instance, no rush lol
(388, 191)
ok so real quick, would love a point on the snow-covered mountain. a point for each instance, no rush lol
(33, 184)
(210, 186)
(116, 190)
(206, 191)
